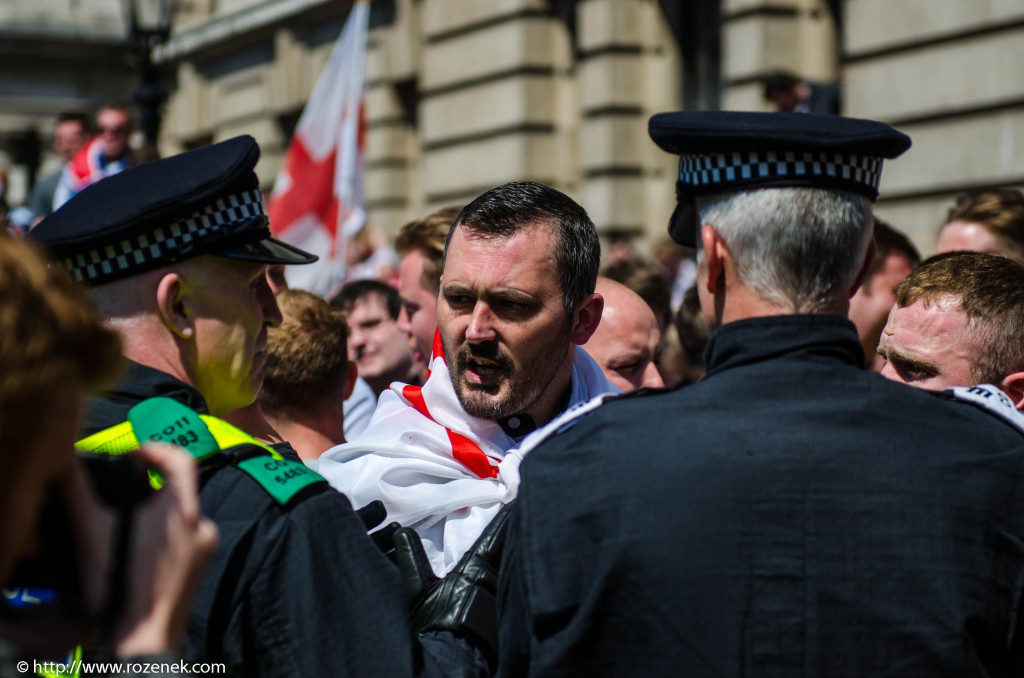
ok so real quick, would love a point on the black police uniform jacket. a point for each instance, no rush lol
(790, 515)
(293, 590)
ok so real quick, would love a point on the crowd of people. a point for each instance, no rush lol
(499, 457)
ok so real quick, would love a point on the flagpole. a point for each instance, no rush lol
(339, 266)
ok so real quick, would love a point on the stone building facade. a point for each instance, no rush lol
(465, 94)
(55, 56)
(948, 73)
(462, 95)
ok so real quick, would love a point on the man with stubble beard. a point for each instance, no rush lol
(516, 301)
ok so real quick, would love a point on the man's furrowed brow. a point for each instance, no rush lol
(894, 355)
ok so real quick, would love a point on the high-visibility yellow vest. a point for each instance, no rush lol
(202, 435)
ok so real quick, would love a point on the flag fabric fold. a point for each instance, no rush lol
(317, 200)
(437, 469)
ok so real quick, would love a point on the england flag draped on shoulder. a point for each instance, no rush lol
(318, 196)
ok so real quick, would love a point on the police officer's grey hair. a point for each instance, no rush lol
(797, 248)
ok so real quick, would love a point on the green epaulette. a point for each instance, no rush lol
(203, 436)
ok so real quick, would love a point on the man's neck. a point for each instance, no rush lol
(251, 420)
(555, 396)
(740, 303)
(312, 438)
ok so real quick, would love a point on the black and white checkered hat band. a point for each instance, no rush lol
(167, 243)
(710, 173)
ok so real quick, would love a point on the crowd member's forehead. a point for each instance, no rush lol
(371, 302)
(531, 245)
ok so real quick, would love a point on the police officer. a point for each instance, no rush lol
(175, 254)
(790, 514)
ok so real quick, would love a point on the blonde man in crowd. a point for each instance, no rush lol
(308, 374)
(420, 243)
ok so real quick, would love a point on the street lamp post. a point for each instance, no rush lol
(149, 25)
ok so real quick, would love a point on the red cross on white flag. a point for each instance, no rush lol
(318, 196)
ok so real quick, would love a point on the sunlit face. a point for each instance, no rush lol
(505, 331)
(375, 343)
(233, 309)
(115, 129)
(965, 236)
(926, 344)
(418, 317)
(31, 474)
(627, 343)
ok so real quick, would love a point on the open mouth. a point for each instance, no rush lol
(484, 368)
(483, 371)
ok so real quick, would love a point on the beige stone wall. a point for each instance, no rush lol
(465, 94)
(948, 73)
(462, 95)
(243, 70)
(504, 92)
(629, 70)
(762, 36)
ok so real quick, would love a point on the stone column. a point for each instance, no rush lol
(628, 70)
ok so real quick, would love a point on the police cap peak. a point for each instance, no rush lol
(725, 151)
(205, 201)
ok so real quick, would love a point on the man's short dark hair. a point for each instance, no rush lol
(778, 83)
(887, 241)
(75, 116)
(360, 289)
(307, 356)
(503, 211)
(989, 289)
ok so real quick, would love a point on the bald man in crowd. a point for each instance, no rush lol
(957, 322)
(627, 343)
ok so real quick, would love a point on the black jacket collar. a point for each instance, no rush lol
(139, 383)
(758, 339)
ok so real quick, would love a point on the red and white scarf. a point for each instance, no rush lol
(88, 166)
(437, 469)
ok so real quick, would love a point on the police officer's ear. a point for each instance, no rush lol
(715, 256)
(862, 275)
(586, 318)
(176, 305)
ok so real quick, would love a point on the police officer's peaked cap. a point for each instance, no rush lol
(205, 201)
(725, 151)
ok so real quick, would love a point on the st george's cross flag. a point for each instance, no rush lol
(317, 200)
